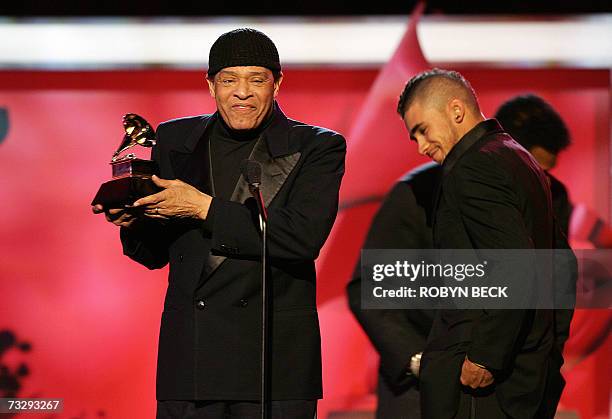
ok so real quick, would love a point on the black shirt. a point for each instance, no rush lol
(228, 148)
(227, 151)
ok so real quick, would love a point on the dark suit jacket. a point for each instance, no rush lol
(210, 328)
(562, 207)
(402, 222)
(493, 196)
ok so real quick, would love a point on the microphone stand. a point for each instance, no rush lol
(263, 223)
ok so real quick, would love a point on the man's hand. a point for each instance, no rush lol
(475, 376)
(117, 216)
(177, 200)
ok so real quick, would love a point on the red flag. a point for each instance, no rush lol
(379, 152)
(378, 147)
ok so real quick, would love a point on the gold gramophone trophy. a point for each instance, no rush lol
(131, 175)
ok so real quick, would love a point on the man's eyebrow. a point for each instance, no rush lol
(414, 129)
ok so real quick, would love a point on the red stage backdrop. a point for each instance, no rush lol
(81, 321)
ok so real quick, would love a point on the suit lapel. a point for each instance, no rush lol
(465, 143)
(186, 160)
(481, 130)
(274, 173)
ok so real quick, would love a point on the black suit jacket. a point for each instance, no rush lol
(493, 196)
(210, 328)
(402, 222)
(562, 207)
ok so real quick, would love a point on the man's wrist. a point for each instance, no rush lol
(205, 208)
(415, 364)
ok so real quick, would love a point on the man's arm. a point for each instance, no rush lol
(489, 210)
(145, 244)
(565, 285)
(396, 334)
(296, 231)
(144, 240)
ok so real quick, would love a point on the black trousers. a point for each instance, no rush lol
(397, 403)
(282, 409)
(479, 404)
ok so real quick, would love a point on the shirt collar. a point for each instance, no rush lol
(480, 130)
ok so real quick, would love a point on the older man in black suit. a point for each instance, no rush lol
(205, 227)
(482, 363)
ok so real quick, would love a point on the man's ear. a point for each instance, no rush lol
(277, 84)
(211, 86)
(456, 108)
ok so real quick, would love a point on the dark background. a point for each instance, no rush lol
(197, 8)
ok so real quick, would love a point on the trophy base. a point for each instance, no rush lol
(123, 191)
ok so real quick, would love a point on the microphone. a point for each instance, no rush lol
(251, 171)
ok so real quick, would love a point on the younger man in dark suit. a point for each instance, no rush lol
(483, 364)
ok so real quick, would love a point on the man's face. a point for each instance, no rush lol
(244, 95)
(432, 129)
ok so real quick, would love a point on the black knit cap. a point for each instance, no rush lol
(243, 47)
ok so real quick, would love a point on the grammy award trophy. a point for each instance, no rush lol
(131, 175)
